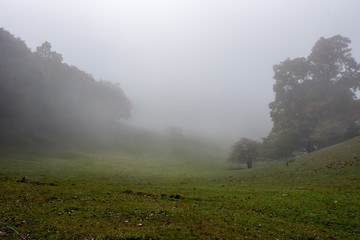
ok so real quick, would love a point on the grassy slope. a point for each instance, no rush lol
(156, 188)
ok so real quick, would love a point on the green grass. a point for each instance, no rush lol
(158, 188)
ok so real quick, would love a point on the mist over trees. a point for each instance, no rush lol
(174, 131)
(42, 97)
(315, 100)
(315, 105)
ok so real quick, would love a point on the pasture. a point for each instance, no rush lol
(176, 189)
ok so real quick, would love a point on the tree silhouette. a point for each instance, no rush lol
(314, 93)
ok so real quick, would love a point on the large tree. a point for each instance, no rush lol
(315, 98)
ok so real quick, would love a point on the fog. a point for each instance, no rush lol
(202, 65)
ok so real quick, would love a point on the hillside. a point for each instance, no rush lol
(142, 154)
(42, 98)
(329, 164)
(339, 159)
(161, 188)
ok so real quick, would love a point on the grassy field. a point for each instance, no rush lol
(176, 189)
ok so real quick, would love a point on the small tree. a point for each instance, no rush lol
(245, 151)
(174, 131)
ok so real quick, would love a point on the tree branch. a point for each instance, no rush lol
(13, 230)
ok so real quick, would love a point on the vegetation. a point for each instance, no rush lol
(178, 190)
(43, 98)
(245, 151)
(70, 170)
(174, 131)
(315, 102)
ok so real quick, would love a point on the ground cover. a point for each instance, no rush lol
(183, 190)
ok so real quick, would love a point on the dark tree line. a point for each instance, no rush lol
(315, 100)
(42, 97)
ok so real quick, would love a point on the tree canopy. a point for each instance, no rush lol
(45, 53)
(42, 97)
(315, 99)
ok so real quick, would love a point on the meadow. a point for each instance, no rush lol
(176, 189)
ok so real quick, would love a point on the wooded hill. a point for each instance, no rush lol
(43, 98)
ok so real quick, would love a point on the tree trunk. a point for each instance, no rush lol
(249, 164)
(309, 146)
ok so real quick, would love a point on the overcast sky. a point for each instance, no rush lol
(203, 65)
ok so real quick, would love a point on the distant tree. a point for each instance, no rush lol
(313, 95)
(174, 131)
(45, 53)
(245, 151)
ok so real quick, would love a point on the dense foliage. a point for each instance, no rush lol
(41, 97)
(315, 99)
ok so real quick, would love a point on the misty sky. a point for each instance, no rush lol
(203, 65)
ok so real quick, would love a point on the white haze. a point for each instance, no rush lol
(203, 65)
